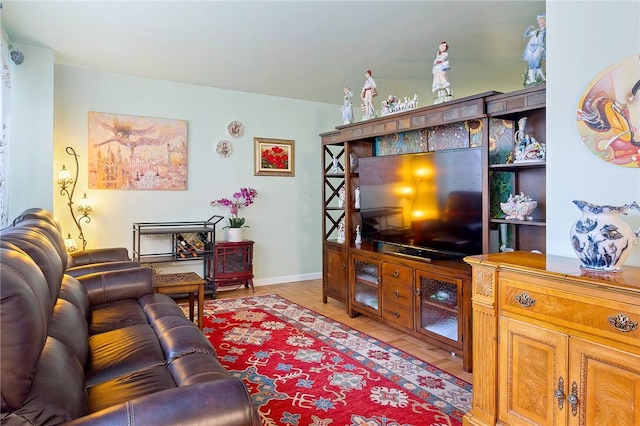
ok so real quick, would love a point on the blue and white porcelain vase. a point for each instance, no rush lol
(600, 238)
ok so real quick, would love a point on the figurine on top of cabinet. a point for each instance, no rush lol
(368, 92)
(535, 52)
(441, 86)
(347, 106)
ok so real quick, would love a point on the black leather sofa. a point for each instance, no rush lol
(102, 348)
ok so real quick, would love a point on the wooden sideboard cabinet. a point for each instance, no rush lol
(553, 344)
(431, 300)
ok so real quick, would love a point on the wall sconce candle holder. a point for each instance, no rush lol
(84, 208)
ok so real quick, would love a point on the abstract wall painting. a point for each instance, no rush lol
(131, 152)
(609, 114)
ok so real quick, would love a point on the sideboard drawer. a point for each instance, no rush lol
(400, 294)
(392, 273)
(398, 313)
(574, 309)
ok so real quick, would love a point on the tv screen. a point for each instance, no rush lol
(430, 201)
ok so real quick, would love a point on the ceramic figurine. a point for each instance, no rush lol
(358, 235)
(601, 239)
(347, 106)
(334, 165)
(353, 162)
(441, 86)
(369, 90)
(357, 197)
(341, 227)
(535, 52)
(341, 197)
(527, 148)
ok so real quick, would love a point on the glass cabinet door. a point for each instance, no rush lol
(439, 314)
(365, 284)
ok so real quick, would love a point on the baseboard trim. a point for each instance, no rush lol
(286, 279)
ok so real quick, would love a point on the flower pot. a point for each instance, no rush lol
(234, 235)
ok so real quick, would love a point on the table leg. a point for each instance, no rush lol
(200, 306)
(191, 306)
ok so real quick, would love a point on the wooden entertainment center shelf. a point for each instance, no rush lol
(428, 297)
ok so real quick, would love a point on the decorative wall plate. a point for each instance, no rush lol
(609, 114)
(224, 148)
(235, 129)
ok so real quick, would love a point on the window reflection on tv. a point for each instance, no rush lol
(427, 201)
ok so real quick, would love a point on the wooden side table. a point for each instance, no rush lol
(234, 263)
(186, 282)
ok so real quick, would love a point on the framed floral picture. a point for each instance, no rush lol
(274, 157)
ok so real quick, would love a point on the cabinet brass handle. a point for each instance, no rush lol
(396, 273)
(623, 323)
(396, 314)
(344, 265)
(396, 293)
(525, 300)
(418, 292)
(573, 399)
(559, 393)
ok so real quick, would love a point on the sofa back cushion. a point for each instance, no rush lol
(25, 310)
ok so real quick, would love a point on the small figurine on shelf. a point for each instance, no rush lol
(353, 162)
(527, 148)
(347, 106)
(358, 235)
(334, 165)
(441, 86)
(357, 197)
(341, 196)
(368, 92)
(535, 52)
(341, 227)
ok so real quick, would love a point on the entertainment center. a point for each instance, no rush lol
(422, 189)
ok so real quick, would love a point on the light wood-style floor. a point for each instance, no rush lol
(309, 295)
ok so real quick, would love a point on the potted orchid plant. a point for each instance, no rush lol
(243, 198)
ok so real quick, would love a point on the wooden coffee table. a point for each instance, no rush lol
(185, 282)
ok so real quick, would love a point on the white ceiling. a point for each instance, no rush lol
(297, 49)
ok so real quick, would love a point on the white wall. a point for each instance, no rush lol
(285, 219)
(30, 167)
(583, 39)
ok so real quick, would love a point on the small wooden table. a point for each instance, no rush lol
(185, 282)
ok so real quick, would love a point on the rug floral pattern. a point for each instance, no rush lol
(302, 368)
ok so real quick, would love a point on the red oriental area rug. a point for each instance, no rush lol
(302, 368)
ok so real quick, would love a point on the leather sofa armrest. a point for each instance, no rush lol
(110, 286)
(78, 271)
(112, 254)
(223, 402)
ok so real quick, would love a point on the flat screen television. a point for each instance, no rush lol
(424, 204)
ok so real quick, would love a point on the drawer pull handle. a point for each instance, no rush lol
(396, 314)
(573, 399)
(623, 323)
(396, 293)
(559, 393)
(525, 300)
(396, 274)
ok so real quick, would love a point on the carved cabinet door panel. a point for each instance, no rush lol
(605, 385)
(532, 374)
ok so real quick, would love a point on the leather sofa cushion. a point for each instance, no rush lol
(122, 351)
(25, 309)
(129, 386)
(67, 317)
(114, 315)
